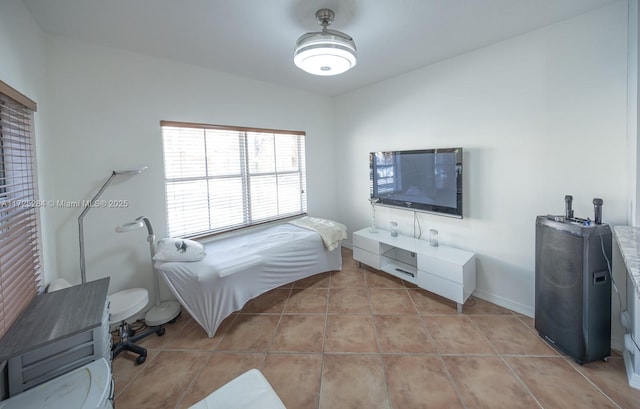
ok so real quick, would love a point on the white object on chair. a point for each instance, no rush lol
(250, 390)
(127, 303)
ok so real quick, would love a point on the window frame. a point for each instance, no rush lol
(245, 175)
(20, 225)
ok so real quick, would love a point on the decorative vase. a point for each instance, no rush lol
(373, 228)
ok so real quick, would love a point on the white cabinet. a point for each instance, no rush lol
(628, 240)
(443, 270)
(57, 333)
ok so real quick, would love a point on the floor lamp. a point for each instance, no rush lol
(164, 311)
(89, 206)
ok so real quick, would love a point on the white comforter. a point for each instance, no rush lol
(240, 268)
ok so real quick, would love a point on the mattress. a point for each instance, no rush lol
(239, 268)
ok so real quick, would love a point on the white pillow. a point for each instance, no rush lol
(179, 250)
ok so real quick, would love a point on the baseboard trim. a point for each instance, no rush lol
(632, 377)
(503, 302)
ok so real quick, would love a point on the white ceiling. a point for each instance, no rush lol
(255, 38)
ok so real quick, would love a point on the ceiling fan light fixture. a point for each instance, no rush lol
(326, 52)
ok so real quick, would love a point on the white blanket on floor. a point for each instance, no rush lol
(332, 233)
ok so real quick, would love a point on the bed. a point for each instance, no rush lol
(237, 269)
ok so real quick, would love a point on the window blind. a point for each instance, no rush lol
(20, 271)
(220, 178)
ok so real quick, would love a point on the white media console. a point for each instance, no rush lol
(443, 270)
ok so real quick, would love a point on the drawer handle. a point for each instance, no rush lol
(409, 273)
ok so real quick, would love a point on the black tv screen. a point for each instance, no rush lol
(427, 180)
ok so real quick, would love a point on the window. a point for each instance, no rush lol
(20, 273)
(220, 178)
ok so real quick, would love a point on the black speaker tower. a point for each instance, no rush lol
(573, 284)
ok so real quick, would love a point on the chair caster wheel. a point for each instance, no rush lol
(140, 359)
(173, 321)
(160, 332)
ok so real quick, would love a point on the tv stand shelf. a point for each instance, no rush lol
(443, 270)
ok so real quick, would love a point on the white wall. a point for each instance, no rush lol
(106, 116)
(539, 116)
(633, 111)
(22, 46)
(22, 66)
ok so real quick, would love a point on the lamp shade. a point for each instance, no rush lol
(123, 228)
(325, 53)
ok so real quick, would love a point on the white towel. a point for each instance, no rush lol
(332, 233)
(229, 267)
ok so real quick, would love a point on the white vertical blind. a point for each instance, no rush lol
(221, 178)
(20, 271)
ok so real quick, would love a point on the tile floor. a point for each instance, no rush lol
(358, 338)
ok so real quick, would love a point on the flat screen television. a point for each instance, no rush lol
(426, 180)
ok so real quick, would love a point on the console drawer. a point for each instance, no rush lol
(365, 243)
(441, 268)
(441, 286)
(367, 257)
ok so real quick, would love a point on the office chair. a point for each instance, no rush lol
(124, 305)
